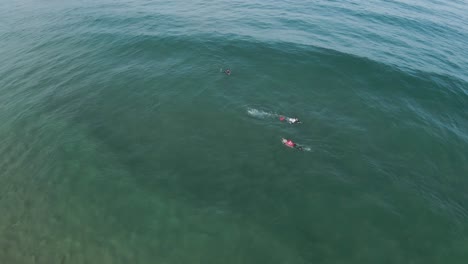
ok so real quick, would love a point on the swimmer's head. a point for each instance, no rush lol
(284, 140)
(281, 118)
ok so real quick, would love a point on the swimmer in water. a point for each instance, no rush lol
(290, 120)
(227, 72)
(290, 144)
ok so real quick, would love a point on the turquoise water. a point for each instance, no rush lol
(121, 141)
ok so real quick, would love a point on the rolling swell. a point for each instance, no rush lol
(122, 141)
(386, 92)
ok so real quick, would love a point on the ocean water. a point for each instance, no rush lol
(121, 141)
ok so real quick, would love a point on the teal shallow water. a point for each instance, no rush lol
(121, 142)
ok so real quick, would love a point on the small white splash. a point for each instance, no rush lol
(259, 113)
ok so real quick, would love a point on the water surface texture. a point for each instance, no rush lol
(122, 142)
